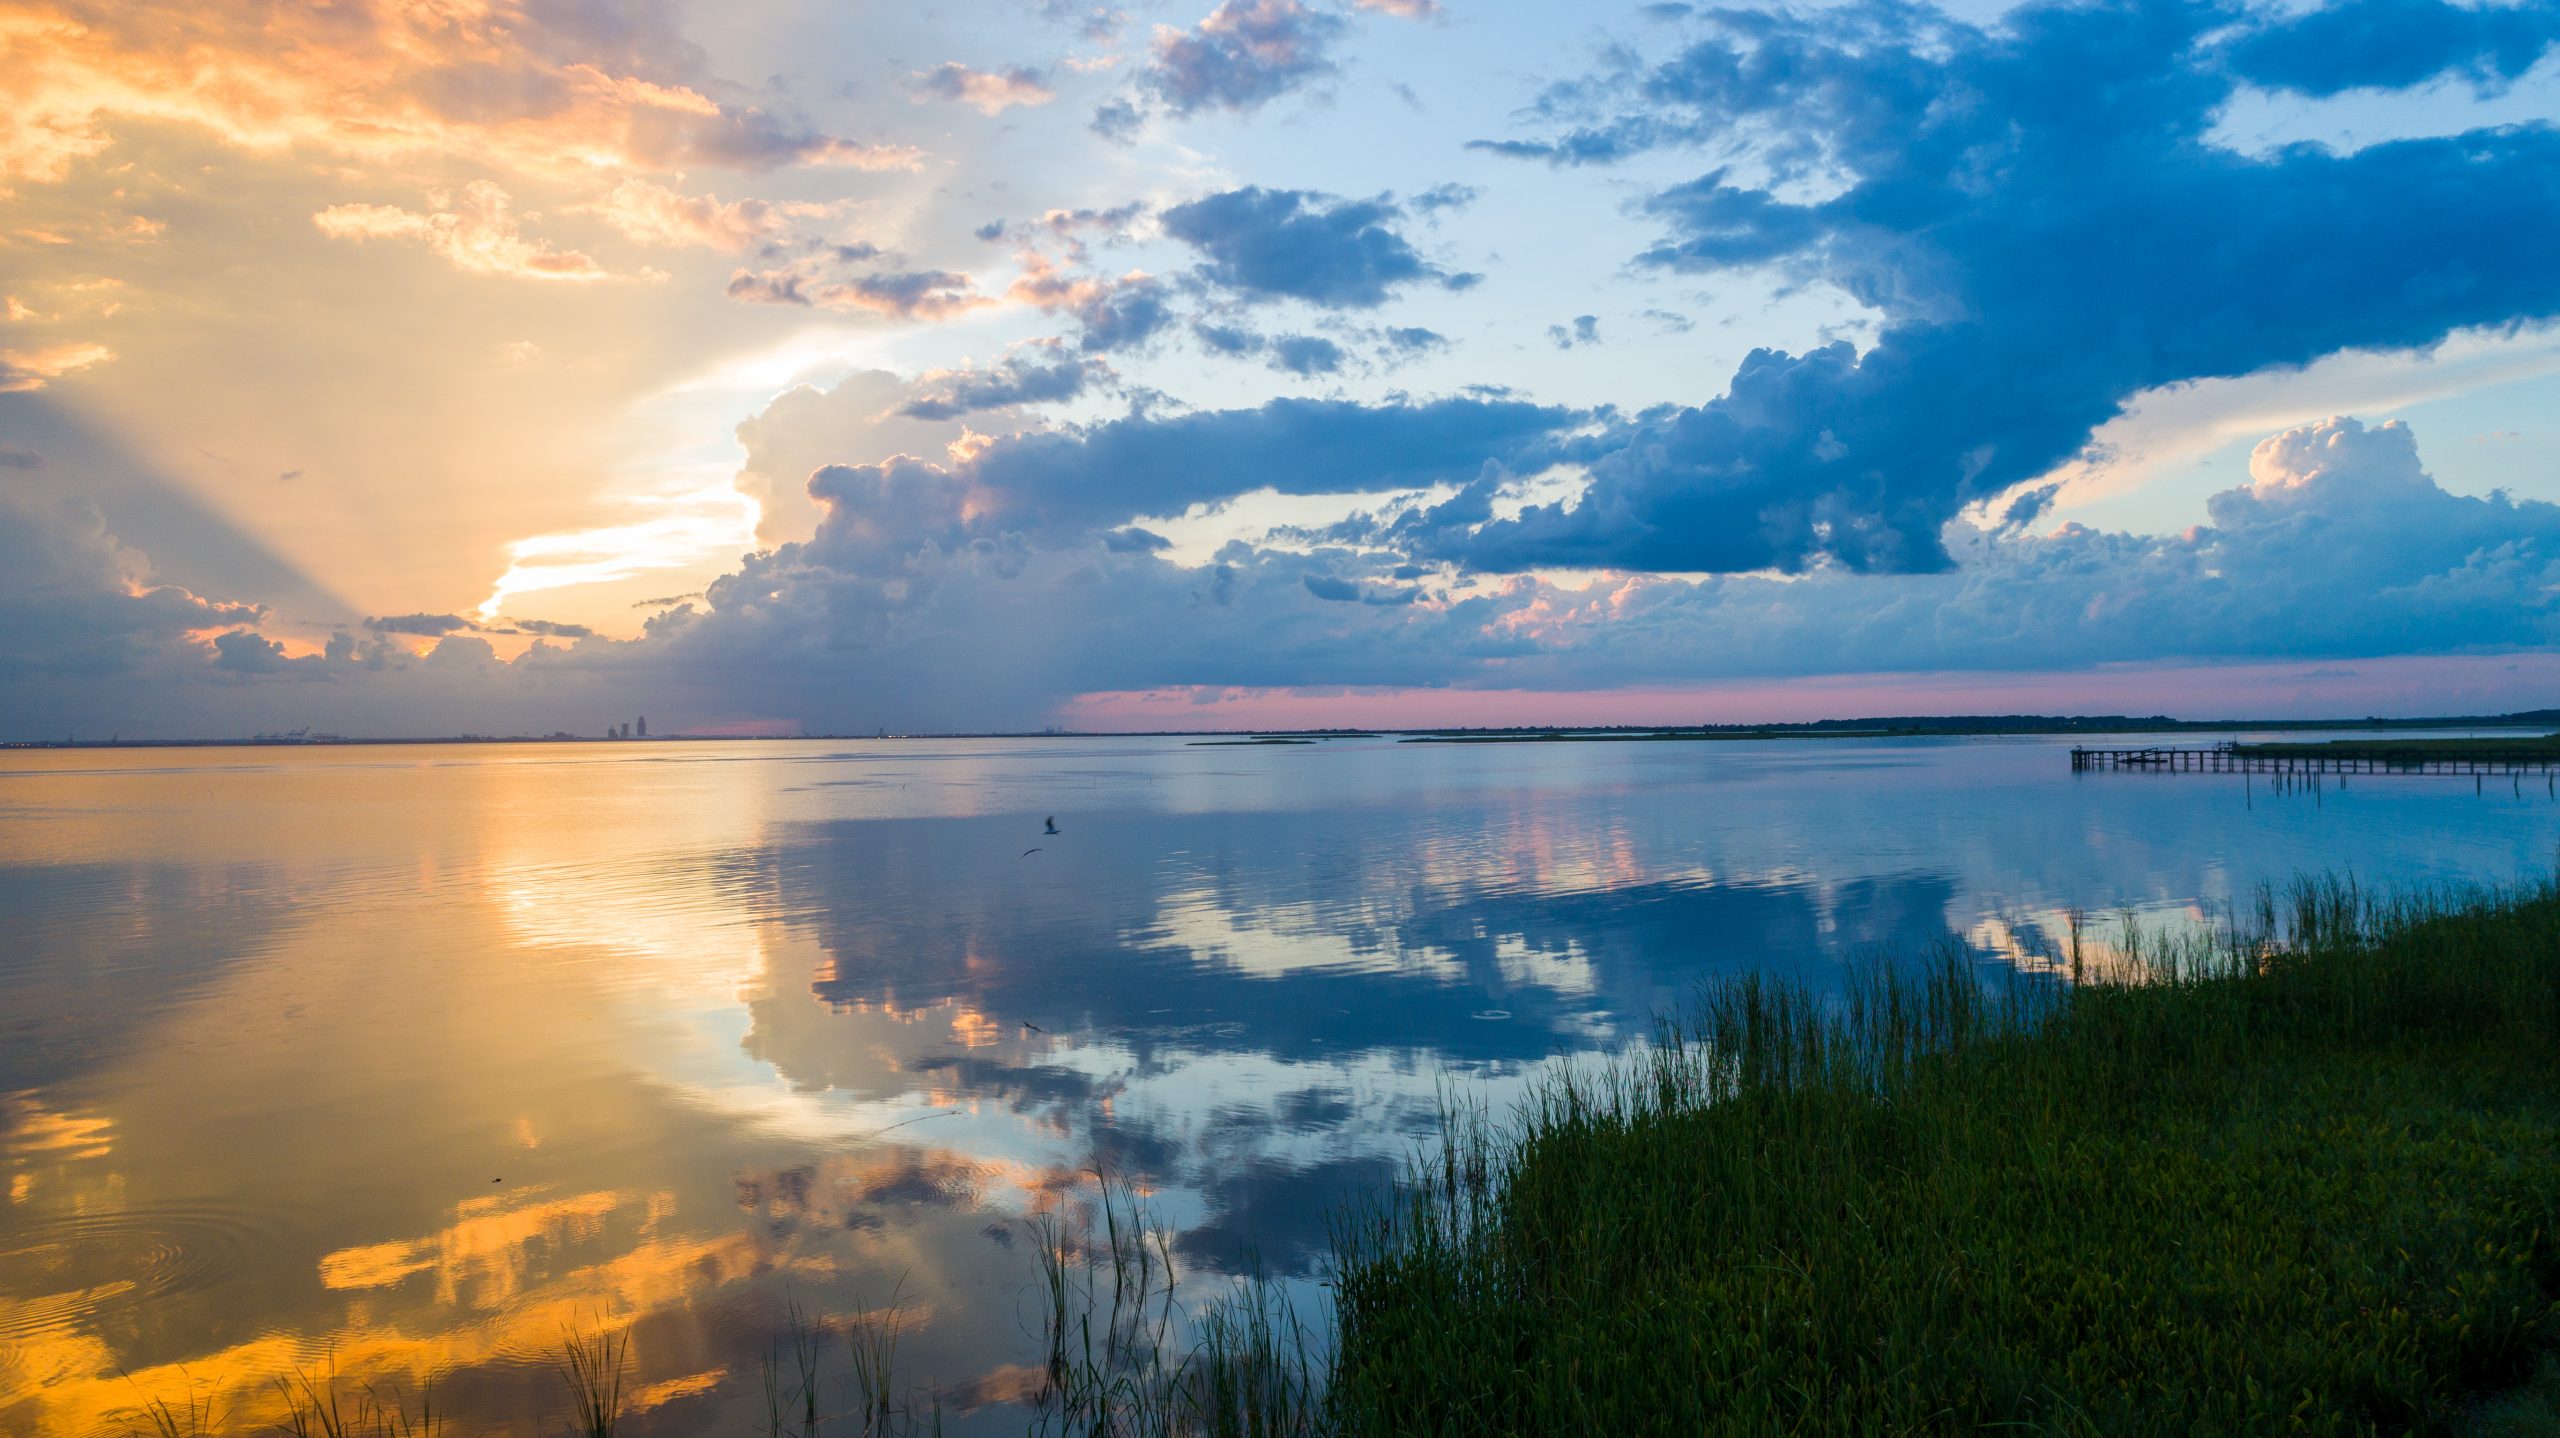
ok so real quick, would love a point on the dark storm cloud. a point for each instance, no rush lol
(1295, 244)
(1243, 55)
(2038, 254)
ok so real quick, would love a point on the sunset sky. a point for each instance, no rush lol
(422, 366)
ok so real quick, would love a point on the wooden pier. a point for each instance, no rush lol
(2229, 759)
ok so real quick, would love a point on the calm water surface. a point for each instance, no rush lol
(406, 1059)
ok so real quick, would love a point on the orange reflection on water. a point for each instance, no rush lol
(487, 1246)
(482, 1270)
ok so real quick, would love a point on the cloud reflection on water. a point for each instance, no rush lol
(733, 1029)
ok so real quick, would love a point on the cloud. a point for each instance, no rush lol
(1432, 202)
(804, 429)
(2035, 257)
(992, 587)
(245, 651)
(545, 628)
(1115, 314)
(652, 214)
(1054, 489)
(478, 235)
(1585, 331)
(1406, 9)
(1227, 339)
(987, 591)
(2341, 546)
(896, 294)
(558, 91)
(22, 371)
(1098, 23)
(74, 602)
(437, 626)
(430, 625)
(1116, 219)
(13, 457)
(1117, 121)
(1306, 355)
(1295, 244)
(1044, 374)
(2397, 44)
(989, 92)
(1243, 55)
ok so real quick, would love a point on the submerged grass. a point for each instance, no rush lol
(2306, 1186)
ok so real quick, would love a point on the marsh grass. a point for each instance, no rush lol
(2510, 748)
(2298, 1175)
(322, 1408)
(1127, 1359)
(192, 1417)
(594, 1367)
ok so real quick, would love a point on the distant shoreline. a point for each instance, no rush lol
(1902, 727)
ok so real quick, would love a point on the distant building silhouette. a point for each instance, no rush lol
(644, 726)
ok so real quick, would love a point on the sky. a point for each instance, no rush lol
(418, 367)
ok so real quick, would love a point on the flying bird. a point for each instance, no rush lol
(1052, 825)
(1027, 853)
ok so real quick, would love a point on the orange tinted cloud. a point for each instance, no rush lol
(23, 370)
(481, 80)
(988, 92)
(652, 214)
(478, 235)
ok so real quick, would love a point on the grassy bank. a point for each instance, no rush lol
(2307, 1188)
(2516, 749)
